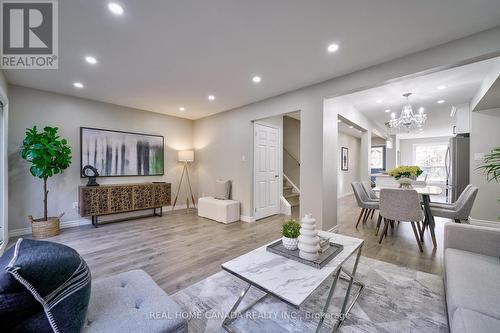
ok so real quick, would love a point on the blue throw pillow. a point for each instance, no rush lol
(44, 287)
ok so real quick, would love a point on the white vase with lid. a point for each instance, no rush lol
(308, 239)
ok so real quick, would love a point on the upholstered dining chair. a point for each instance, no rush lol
(368, 188)
(401, 205)
(367, 206)
(460, 209)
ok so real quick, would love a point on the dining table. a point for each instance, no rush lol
(426, 192)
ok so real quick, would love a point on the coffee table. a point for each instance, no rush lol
(293, 282)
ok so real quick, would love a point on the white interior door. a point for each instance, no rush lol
(266, 170)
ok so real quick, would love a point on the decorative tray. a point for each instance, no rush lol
(323, 259)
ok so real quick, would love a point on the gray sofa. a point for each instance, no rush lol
(132, 302)
(472, 277)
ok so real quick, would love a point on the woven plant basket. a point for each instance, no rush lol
(41, 229)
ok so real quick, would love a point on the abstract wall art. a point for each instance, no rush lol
(118, 154)
(344, 159)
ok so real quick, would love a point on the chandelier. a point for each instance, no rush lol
(407, 119)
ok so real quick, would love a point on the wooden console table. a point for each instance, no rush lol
(101, 200)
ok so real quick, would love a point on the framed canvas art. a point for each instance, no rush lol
(344, 158)
(120, 154)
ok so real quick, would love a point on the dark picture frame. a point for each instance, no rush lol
(344, 159)
(125, 154)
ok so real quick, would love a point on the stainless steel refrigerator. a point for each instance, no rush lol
(457, 166)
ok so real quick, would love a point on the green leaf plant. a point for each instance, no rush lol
(491, 165)
(48, 154)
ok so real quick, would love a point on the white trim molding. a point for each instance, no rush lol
(81, 222)
(248, 219)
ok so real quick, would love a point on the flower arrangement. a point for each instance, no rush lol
(406, 171)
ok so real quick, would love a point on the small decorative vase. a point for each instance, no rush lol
(308, 239)
(290, 243)
(405, 182)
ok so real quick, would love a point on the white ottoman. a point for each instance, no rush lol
(225, 211)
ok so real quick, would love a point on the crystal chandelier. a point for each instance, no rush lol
(408, 119)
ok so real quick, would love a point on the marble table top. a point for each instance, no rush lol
(288, 279)
(425, 190)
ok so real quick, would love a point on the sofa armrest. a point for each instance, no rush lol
(472, 238)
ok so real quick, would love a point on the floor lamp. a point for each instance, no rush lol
(186, 157)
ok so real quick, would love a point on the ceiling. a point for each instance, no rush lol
(461, 84)
(161, 55)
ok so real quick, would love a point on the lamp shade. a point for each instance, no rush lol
(185, 156)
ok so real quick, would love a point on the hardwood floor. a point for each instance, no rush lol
(180, 248)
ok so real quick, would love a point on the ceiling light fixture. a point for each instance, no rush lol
(115, 8)
(441, 87)
(407, 119)
(211, 97)
(256, 79)
(387, 110)
(339, 121)
(421, 109)
(332, 48)
(91, 60)
(380, 100)
(441, 101)
(351, 126)
(182, 108)
(78, 85)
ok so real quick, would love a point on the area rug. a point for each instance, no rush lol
(395, 299)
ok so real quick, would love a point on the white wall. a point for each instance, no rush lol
(30, 107)
(406, 147)
(291, 142)
(222, 140)
(484, 136)
(345, 178)
(4, 117)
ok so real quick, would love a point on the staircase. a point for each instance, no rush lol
(291, 193)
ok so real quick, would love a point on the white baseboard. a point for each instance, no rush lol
(62, 225)
(344, 194)
(248, 219)
(77, 223)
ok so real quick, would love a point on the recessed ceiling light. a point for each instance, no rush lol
(211, 97)
(91, 60)
(256, 79)
(115, 8)
(182, 108)
(339, 121)
(359, 131)
(441, 87)
(441, 101)
(387, 110)
(380, 100)
(333, 48)
(351, 126)
(78, 85)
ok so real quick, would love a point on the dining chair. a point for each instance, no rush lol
(401, 205)
(367, 206)
(368, 188)
(460, 209)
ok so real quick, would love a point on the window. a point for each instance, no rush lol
(378, 158)
(431, 158)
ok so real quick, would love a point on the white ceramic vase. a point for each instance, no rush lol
(308, 239)
(290, 243)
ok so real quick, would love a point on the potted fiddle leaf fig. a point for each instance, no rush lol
(48, 155)
(291, 232)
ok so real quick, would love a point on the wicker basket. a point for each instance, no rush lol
(43, 229)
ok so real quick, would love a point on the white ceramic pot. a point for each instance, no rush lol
(290, 243)
(405, 182)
